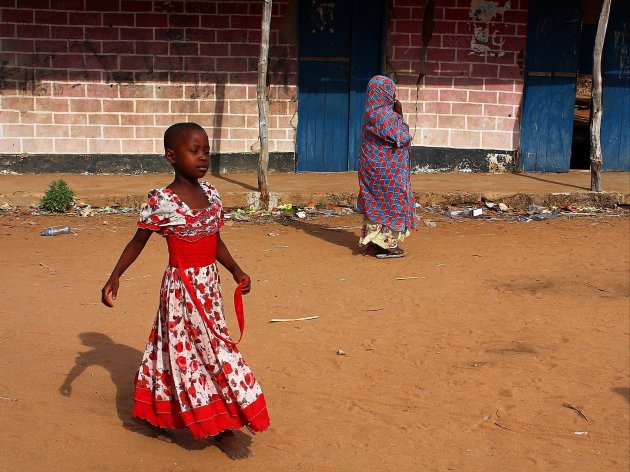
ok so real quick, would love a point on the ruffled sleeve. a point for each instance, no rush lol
(160, 212)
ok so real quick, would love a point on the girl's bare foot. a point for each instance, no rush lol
(232, 446)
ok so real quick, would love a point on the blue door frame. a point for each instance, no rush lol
(340, 50)
(550, 85)
(615, 132)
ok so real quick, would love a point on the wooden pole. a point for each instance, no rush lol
(596, 123)
(263, 109)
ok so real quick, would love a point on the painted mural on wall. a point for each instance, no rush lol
(487, 39)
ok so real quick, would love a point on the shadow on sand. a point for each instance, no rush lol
(549, 181)
(122, 363)
(344, 236)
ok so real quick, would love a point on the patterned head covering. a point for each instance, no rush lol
(385, 187)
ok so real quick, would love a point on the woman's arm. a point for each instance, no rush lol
(128, 256)
(227, 261)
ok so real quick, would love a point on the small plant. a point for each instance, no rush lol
(58, 197)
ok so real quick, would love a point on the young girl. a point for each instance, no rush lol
(385, 196)
(191, 373)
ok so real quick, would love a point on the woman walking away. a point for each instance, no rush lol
(385, 196)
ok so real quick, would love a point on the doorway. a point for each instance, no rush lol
(341, 48)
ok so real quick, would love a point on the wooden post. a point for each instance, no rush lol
(596, 123)
(263, 109)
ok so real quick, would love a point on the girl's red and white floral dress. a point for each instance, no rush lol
(189, 376)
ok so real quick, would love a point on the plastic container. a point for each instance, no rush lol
(55, 230)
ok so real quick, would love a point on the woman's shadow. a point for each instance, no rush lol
(341, 236)
(122, 363)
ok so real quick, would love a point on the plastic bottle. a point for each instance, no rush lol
(55, 230)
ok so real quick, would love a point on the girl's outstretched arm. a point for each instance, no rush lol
(227, 261)
(129, 254)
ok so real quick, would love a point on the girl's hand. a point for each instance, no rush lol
(398, 107)
(239, 277)
(109, 292)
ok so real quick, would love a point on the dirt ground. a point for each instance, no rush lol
(458, 357)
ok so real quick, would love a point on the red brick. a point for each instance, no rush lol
(86, 105)
(65, 5)
(465, 139)
(152, 106)
(465, 56)
(485, 70)
(137, 146)
(243, 107)
(507, 124)
(71, 118)
(232, 64)
(151, 20)
(101, 62)
(457, 14)
(71, 146)
(453, 95)
(498, 110)
(184, 106)
(136, 91)
(7, 30)
(183, 21)
(200, 35)
(66, 32)
(455, 41)
(435, 137)
(102, 33)
(245, 22)
(38, 145)
(170, 34)
(137, 120)
(468, 83)
(169, 63)
(214, 49)
(445, 27)
(118, 106)
(141, 6)
(51, 17)
(440, 54)
(68, 90)
(84, 75)
(451, 122)
(118, 19)
(46, 46)
(497, 140)
(253, 37)
(439, 108)
(104, 119)
(121, 132)
(201, 7)
(232, 36)
(115, 47)
(32, 31)
(86, 19)
(169, 91)
(481, 122)
(201, 64)
(104, 146)
(67, 61)
(400, 13)
(24, 4)
(470, 109)
(515, 16)
(257, 8)
(85, 47)
(57, 105)
(408, 26)
(482, 97)
(37, 118)
(232, 7)
(184, 49)
(509, 98)
(18, 45)
(52, 131)
(136, 34)
(154, 132)
(17, 16)
(159, 48)
(168, 6)
(179, 76)
(510, 71)
(244, 50)
(86, 131)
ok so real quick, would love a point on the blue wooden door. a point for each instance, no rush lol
(340, 50)
(615, 132)
(550, 81)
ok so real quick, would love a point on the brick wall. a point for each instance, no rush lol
(108, 76)
(467, 93)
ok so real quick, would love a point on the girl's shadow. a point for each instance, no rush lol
(122, 363)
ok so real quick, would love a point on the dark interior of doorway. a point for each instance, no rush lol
(581, 144)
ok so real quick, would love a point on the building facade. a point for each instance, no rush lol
(91, 86)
